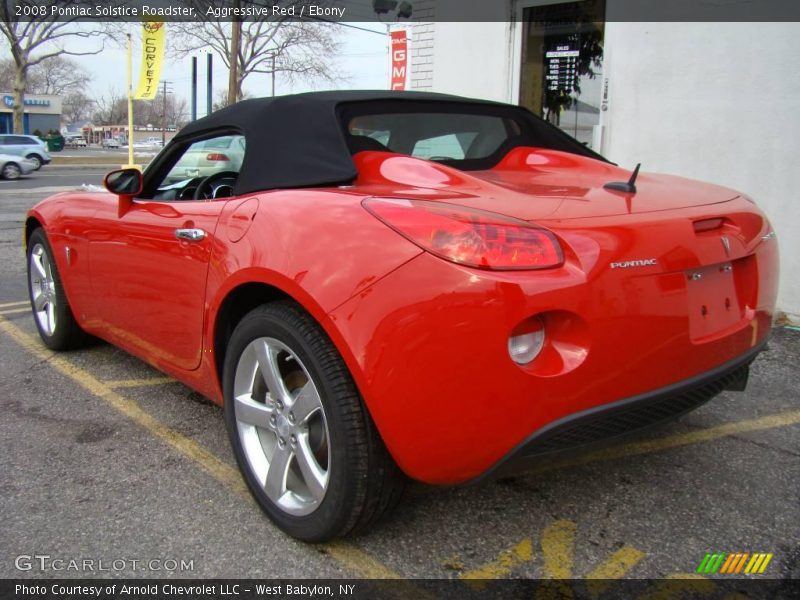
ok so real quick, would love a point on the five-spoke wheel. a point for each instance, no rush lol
(43, 289)
(282, 426)
(51, 310)
(300, 432)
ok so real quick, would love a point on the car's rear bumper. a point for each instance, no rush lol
(603, 423)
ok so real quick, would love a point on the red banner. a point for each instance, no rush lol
(399, 60)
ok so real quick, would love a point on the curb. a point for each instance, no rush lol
(109, 167)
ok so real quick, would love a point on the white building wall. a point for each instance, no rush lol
(481, 51)
(718, 102)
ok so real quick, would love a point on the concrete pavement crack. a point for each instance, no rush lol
(766, 446)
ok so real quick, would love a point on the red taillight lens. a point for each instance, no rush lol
(217, 156)
(468, 236)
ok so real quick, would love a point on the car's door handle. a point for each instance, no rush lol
(192, 235)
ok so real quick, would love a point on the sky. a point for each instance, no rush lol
(363, 60)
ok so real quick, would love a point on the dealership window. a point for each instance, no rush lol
(561, 64)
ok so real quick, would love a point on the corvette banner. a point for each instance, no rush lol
(152, 59)
(399, 59)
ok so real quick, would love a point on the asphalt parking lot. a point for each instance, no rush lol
(103, 458)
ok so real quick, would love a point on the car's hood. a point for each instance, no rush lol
(533, 184)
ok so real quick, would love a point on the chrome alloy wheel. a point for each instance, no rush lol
(11, 171)
(43, 289)
(282, 426)
(37, 162)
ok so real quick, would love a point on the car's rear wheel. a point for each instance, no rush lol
(302, 437)
(37, 162)
(51, 311)
(11, 171)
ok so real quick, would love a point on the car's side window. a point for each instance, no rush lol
(207, 169)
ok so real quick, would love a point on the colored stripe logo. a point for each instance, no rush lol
(734, 563)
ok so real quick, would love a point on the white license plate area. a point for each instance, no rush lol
(713, 302)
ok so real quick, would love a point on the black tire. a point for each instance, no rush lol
(363, 480)
(36, 159)
(66, 333)
(11, 171)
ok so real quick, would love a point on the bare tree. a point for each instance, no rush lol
(57, 75)
(290, 49)
(35, 39)
(76, 106)
(221, 100)
(111, 108)
(8, 74)
(60, 75)
(151, 112)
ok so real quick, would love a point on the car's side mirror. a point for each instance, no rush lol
(124, 182)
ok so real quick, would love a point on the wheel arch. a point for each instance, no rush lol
(239, 301)
(259, 289)
(32, 223)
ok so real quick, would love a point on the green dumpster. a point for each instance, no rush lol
(55, 143)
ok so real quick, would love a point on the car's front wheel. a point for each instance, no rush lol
(302, 437)
(11, 171)
(51, 310)
(37, 162)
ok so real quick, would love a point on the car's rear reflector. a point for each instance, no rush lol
(217, 156)
(469, 236)
(708, 224)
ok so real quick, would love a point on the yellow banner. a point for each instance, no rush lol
(152, 59)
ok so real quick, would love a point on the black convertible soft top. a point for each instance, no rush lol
(300, 140)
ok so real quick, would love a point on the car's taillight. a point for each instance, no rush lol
(469, 236)
(217, 156)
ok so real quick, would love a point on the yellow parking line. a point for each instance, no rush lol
(501, 566)
(14, 311)
(352, 558)
(616, 567)
(622, 561)
(558, 549)
(10, 304)
(129, 383)
(700, 436)
(557, 540)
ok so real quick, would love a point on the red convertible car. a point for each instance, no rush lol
(406, 285)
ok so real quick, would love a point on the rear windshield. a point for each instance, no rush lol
(465, 135)
(435, 136)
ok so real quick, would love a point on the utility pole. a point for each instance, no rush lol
(209, 82)
(273, 75)
(233, 77)
(194, 88)
(164, 92)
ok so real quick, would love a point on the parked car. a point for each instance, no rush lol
(395, 284)
(153, 141)
(75, 141)
(12, 167)
(211, 156)
(26, 146)
(111, 143)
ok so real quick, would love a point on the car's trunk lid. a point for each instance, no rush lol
(534, 184)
